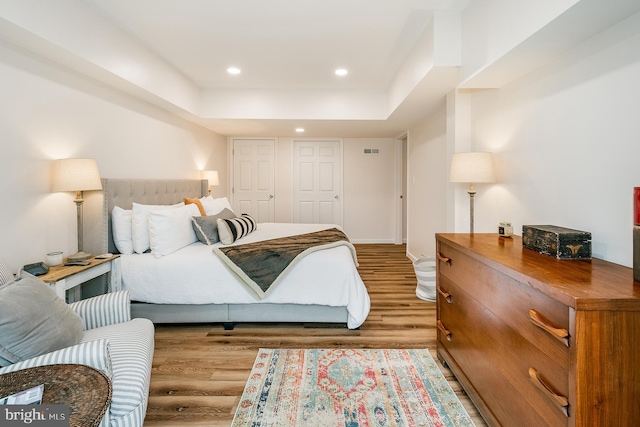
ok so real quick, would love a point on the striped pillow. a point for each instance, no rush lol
(232, 229)
(95, 353)
(5, 272)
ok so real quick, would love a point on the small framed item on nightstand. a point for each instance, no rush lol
(37, 268)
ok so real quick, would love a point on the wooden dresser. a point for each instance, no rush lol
(537, 341)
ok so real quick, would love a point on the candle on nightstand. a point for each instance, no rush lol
(54, 258)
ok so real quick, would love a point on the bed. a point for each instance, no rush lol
(193, 284)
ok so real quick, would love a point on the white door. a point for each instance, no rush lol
(317, 181)
(253, 178)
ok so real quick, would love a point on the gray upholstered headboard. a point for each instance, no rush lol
(122, 193)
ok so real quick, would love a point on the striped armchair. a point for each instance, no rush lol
(117, 345)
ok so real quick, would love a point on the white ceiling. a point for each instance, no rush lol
(286, 46)
(403, 56)
(279, 44)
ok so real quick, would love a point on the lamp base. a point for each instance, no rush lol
(79, 256)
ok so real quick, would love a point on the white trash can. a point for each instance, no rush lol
(425, 269)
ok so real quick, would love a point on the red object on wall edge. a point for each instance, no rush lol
(636, 205)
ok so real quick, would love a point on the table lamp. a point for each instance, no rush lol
(76, 175)
(212, 177)
(472, 167)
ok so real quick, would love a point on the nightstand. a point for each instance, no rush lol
(64, 278)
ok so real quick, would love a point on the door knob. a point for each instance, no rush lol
(335, 197)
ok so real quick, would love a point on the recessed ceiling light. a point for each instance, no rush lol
(342, 72)
(299, 130)
(233, 70)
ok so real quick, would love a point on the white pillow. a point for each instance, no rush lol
(215, 206)
(171, 229)
(121, 230)
(140, 224)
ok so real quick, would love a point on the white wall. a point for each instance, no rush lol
(368, 188)
(48, 113)
(566, 143)
(426, 184)
(566, 147)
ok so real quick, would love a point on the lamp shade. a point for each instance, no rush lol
(75, 175)
(472, 167)
(212, 177)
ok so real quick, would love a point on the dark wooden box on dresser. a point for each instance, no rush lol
(538, 341)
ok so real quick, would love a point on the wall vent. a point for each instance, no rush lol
(371, 151)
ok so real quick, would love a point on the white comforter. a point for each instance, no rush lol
(195, 275)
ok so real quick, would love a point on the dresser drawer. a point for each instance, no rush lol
(541, 320)
(492, 353)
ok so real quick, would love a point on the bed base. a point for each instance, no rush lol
(229, 314)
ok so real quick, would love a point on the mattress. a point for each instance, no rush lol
(195, 275)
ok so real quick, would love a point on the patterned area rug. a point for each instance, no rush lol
(350, 388)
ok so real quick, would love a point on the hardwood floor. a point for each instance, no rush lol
(199, 371)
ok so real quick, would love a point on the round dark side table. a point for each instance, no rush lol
(86, 390)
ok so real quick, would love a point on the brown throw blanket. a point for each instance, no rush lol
(262, 264)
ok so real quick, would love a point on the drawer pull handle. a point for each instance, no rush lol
(444, 259)
(540, 321)
(445, 294)
(445, 331)
(561, 401)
